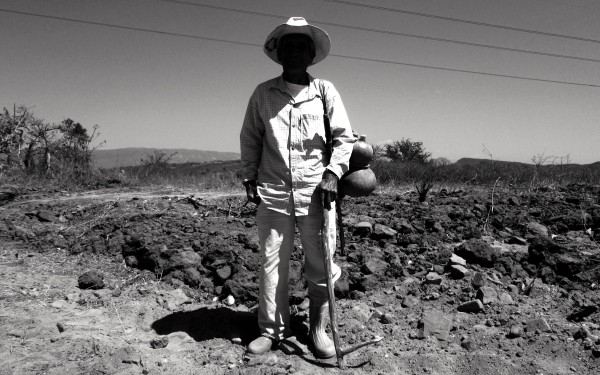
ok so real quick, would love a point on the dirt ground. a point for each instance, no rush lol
(179, 293)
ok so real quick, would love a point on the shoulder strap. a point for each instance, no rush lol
(328, 136)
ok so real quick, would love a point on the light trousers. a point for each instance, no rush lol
(276, 233)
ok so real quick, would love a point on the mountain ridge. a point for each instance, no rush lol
(132, 156)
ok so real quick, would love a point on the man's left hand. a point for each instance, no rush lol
(328, 189)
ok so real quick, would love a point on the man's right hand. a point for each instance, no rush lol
(252, 191)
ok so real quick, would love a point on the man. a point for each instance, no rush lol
(291, 175)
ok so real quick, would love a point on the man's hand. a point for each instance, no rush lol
(328, 189)
(251, 191)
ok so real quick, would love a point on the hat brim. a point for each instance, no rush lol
(319, 37)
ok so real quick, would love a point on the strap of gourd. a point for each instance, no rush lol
(328, 136)
(329, 151)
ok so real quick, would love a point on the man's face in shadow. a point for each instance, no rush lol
(295, 52)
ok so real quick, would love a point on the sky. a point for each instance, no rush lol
(178, 74)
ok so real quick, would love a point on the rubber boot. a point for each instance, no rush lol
(318, 313)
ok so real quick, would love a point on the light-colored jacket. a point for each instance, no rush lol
(283, 143)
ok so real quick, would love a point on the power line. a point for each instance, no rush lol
(477, 23)
(466, 71)
(386, 32)
(129, 28)
(260, 45)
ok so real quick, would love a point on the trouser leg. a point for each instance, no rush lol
(310, 228)
(310, 235)
(276, 237)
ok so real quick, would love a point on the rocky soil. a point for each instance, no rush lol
(472, 281)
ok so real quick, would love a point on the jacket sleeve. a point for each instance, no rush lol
(341, 132)
(251, 139)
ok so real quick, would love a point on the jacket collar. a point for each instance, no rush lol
(313, 87)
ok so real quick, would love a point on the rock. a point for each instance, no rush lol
(382, 232)
(175, 298)
(537, 229)
(477, 251)
(470, 306)
(581, 313)
(478, 280)
(487, 295)
(388, 318)
(538, 324)
(362, 229)
(589, 275)
(184, 259)
(159, 342)
(514, 240)
(46, 216)
(229, 301)
(410, 301)
(505, 299)
(433, 278)
(375, 266)
(516, 330)
(568, 265)
(467, 344)
(455, 259)
(458, 271)
(61, 327)
(129, 355)
(242, 286)
(91, 280)
(435, 323)
(223, 273)
(513, 289)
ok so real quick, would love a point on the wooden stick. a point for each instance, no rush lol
(326, 245)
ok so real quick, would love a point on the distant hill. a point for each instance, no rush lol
(125, 157)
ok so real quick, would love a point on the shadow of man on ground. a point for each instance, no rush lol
(208, 323)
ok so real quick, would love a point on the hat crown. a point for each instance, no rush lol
(296, 21)
(298, 25)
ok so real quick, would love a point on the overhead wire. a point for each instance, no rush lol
(103, 24)
(444, 40)
(477, 23)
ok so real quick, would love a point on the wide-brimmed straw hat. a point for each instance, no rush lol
(298, 25)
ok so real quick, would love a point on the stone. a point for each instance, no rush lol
(383, 232)
(538, 324)
(435, 323)
(487, 295)
(375, 266)
(61, 327)
(223, 273)
(516, 330)
(184, 259)
(514, 240)
(470, 306)
(388, 318)
(477, 251)
(410, 301)
(455, 259)
(433, 278)
(363, 229)
(581, 313)
(478, 280)
(467, 344)
(91, 280)
(537, 229)
(458, 271)
(505, 299)
(46, 216)
(159, 342)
